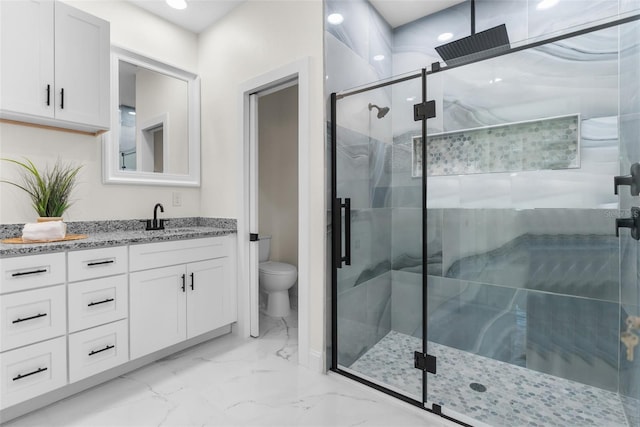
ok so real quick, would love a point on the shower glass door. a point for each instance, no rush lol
(377, 229)
(525, 315)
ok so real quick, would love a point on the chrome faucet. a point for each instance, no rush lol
(156, 224)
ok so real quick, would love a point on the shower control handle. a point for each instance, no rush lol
(632, 223)
(632, 180)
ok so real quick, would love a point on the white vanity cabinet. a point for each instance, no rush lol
(54, 65)
(98, 310)
(33, 326)
(182, 289)
(70, 320)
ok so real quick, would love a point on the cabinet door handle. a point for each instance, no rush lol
(184, 283)
(108, 347)
(100, 302)
(62, 99)
(193, 281)
(48, 95)
(18, 320)
(25, 273)
(37, 371)
(96, 263)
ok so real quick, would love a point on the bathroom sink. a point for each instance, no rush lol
(181, 230)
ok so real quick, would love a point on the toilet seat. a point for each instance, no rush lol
(277, 268)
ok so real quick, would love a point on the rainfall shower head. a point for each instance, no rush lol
(382, 111)
(495, 39)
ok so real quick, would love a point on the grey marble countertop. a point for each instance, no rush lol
(115, 233)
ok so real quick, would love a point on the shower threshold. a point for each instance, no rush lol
(492, 392)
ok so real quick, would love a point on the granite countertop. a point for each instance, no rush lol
(114, 233)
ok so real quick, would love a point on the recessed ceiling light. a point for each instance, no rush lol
(133, 113)
(177, 4)
(335, 19)
(546, 4)
(411, 98)
(497, 79)
(445, 36)
(378, 57)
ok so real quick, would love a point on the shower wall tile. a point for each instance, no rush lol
(468, 232)
(574, 338)
(380, 41)
(486, 320)
(562, 251)
(406, 228)
(629, 5)
(364, 317)
(354, 31)
(629, 269)
(370, 247)
(565, 15)
(363, 32)
(344, 68)
(406, 302)
(363, 169)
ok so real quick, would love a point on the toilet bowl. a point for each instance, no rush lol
(275, 279)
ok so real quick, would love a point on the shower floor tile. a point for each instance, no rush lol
(513, 396)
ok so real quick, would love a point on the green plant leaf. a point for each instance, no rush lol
(49, 190)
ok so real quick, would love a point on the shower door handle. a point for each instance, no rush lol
(337, 223)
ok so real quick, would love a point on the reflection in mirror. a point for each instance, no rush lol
(155, 137)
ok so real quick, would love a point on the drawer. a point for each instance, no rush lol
(162, 254)
(98, 349)
(31, 316)
(33, 271)
(93, 263)
(30, 371)
(96, 302)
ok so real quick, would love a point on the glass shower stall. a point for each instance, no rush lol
(485, 233)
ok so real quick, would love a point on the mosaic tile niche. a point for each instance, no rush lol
(552, 143)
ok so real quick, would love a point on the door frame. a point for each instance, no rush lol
(298, 70)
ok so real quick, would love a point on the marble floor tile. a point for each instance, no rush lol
(232, 381)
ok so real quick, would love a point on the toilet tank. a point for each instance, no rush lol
(264, 248)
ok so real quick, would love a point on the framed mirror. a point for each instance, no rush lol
(155, 123)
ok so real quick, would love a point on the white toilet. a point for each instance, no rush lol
(275, 278)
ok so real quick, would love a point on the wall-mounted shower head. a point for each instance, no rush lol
(382, 111)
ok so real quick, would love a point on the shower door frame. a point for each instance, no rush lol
(336, 237)
(336, 214)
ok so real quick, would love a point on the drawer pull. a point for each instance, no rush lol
(95, 263)
(37, 371)
(109, 347)
(100, 302)
(29, 318)
(26, 273)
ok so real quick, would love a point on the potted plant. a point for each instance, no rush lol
(50, 189)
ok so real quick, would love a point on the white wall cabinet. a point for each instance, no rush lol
(54, 65)
(175, 303)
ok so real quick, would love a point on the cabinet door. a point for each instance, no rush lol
(206, 299)
(157, 305)
(26, 57)
(81, 67)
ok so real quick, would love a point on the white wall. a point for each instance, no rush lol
(134, 29)
(255, 38)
